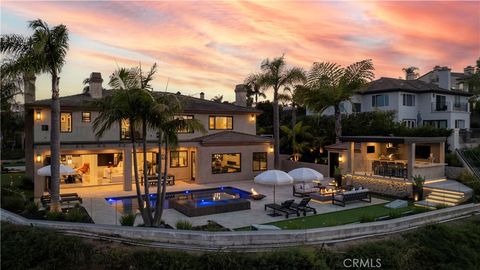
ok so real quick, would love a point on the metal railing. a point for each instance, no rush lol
(449, 107)
(460, 107)
(472, 161)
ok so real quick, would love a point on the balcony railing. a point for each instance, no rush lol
(448, 107)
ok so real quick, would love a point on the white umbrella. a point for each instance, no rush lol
(305, 175)
(273, 178)
(64, 170)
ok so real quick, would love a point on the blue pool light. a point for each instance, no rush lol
(186, 191)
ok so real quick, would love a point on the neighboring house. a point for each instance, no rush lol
(415, 102)
(446, 79)
(229, 151)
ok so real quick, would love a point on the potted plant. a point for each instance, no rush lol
(418, 182)
(337, 175)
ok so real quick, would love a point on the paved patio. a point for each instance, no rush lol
(103, 213)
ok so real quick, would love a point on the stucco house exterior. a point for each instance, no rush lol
(415, 103)
(230, 150)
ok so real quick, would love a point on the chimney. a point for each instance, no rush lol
(241, 95)
(469, 70)
(202, 95)
(410, 76)
(95, 85)
(29, 87)
(444, 78)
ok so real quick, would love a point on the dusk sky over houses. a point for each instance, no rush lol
(212, 46)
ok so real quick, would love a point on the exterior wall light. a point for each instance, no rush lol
(38, 115)
(270, 149)
(39, 158)
(252, 117)
(340, 158)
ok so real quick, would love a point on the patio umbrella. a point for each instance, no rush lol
(64, 170)
(273, 178)
(305, 175)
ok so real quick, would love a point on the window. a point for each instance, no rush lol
(459, 123)
(408, 100)
(226, 163)
(457, 101)
(356, 107)
(370, 149)
(435, 123)
(441, 103)
(220, 122)
(178, 159)
(86, 117)
(65, 122)
(379, 100)
(44, 127)
(259, 161)
(125, 130)
(411, 123)
(184, 117)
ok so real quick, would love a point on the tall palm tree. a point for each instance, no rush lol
(329, 85)
(293, 95)
(129, 101)
(43, 52)
(410, 72)
(276, 74)
(254, 88)
(293, 135)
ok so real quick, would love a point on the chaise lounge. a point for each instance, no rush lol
(353, 195)
(303, 206)
(283, 208)
(65, 198)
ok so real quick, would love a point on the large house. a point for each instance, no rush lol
(230, 150)
(415, 102)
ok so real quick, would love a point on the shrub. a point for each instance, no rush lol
(441, 206)
(183, 225)
(366, 218)
(56, 216)
(31, 208)
(26, 183)
(128, 219)
(452, 160)
(211, 226)
(13, 202)
(468, 179)
(395, 214)
(76, 214)
(419, 210)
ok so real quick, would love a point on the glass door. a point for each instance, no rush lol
(193, 166)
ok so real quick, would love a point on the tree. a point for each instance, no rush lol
(410, 72)
(254, 89)
(275, 74)
(297, 137)
(43, 52)
(474, 80)
(11, 119)
(329, 84)
(217, 98)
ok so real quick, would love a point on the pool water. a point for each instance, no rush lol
(199, 198)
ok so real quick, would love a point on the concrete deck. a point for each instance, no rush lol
(451, 185)
(103, 213)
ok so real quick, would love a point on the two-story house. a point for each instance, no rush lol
(229, 151)
(415, 102)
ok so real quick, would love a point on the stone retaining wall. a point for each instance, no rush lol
(393, 187)
(249, 240)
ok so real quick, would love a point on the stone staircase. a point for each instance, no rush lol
(444, 192)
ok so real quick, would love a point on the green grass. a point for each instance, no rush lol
(335, 218)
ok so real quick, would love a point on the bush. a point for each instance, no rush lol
(26, 183)
(441, 206)
(76, 214)
(211, 226)
(452, 160)
(367, 218)
(468, 179)
(13, 202)
(395, 214)
(183, 225)
(128, 219)
(56, 216)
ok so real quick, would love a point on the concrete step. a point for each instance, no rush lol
(439, 202)
(425, 204)
(443, 199)
(445, 191)
(447, 195)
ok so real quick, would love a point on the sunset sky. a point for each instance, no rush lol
(212, 46)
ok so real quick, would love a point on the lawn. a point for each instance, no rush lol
(367, 213)
(14, 179)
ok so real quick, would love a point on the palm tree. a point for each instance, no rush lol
(293, 135)
(254, 88)
(410, 72)
(275, 74)
(168, 123)
(43, 52)
(329, 85)
(129, 101)
(293, 95)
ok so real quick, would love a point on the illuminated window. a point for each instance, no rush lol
(259, 161)
(86, 117)
(178, 159)
(184, 117)
(226, 163)
(220, 122)
(125, 130)
(65, 122)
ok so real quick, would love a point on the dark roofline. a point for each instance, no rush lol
(447, 92)
(392, 139)
(204, 140)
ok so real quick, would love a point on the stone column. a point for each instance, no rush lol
(350, 157)
(127, 169)
(411, 160)
(441, 157)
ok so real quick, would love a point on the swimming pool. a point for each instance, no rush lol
(191, 202)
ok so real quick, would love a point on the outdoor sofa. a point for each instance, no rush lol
(303, 190)
(353, 195)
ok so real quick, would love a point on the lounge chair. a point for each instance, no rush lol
(303, 206)
(65, 198)
(282, 208)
